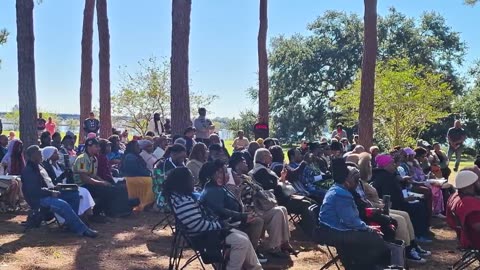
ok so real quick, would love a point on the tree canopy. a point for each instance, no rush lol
(146, 92)
(306, 71)
(408, 99)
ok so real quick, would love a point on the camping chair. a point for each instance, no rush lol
(470, 255)
(167, 221)
(198, 244)
(313, 212)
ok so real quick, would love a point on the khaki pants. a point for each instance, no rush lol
(254, 230)
(276, 223)
(405, 229)
(242, 254)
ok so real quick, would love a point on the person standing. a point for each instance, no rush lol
(1, 127)
(91, 124)
(40, 124)
(50, 126)
(456, 136)
(167, 127)
(339, 132)
(203, 125)
(260, 129)
(156, 125)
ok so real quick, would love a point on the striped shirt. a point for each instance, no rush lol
(191, 214)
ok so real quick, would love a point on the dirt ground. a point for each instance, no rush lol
(128, 243)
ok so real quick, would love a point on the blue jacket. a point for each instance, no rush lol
(134, 165)
(339, 211)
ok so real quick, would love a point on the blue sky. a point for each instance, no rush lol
(223, 43)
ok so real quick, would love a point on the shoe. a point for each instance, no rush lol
(90, 233)
(439, 215)
(455, 169)
(414, 257)
(423, 239)
(261, 258)
(279, 254)
(422, 252)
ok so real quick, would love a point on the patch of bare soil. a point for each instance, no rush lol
(128, 243)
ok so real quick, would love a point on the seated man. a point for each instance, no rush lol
(359, 246)
(465, 204)
(85, 172)
(37, 194)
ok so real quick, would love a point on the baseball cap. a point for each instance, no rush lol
(91, 141)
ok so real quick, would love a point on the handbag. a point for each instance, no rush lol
(264, 200)
(287, 189)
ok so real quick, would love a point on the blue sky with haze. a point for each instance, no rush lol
(223, 43)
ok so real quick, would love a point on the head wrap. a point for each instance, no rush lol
(47, 152)
(383, 160)
(409, 151)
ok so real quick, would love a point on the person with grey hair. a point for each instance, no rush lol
(37, 194)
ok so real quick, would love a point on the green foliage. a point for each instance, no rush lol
(3, 38)
(146, 92)
(245, 122)
(408, 99)
(471, 2)
(306, 71)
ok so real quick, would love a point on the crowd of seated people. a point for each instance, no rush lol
(253, 190)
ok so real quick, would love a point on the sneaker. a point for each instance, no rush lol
(414, 257)
(422, 252)
(423, 239)
(440, 215)
(261, 258)
(455, 169)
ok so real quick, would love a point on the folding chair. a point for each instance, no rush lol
(182, 241)
(469, 256)
(313, 212)
(167, 221)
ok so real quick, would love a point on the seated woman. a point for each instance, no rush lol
(147, 153)
(225, 205)
(132, 163)
(464, 207)
(105, 170)
(45, 139)
(10, 189)
(359, 246)
(268, 180)
(197, 158)
(13, 160)
(115, 156)
(385, 182)
(137, 176)
(59, 175)
(429, 190)
(405, 230)
(57, 140)
(275, 218)
(178, 188)
(68, 148)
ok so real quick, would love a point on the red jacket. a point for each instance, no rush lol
(463, 207)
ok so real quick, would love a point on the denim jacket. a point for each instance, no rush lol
(339, 211)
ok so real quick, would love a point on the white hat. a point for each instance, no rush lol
(465, 179)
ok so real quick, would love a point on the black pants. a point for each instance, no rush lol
(357, 249)
(102, 195)
(419, 215)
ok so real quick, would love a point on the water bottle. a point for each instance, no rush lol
(386, 206)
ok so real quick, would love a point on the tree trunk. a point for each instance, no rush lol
(26, 72)
(87, 62)
(366, 110)
(180, 100)
(104, 59)
(263, 107)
